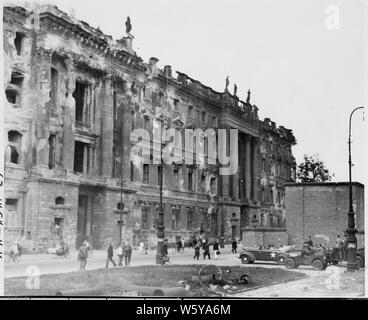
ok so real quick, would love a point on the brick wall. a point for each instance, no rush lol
(257, 237)
(320, 210)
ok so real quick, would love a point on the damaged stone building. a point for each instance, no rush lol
(72, 97)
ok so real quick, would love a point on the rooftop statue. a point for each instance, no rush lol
(235, 89)
(227, 84)
(248, 97)
(128, 26)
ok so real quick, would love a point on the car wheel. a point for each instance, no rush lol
(245, 259)
(281, 259)
(360, 262)
(290, 263)
(317, 265)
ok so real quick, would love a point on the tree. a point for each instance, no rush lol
(313, 170)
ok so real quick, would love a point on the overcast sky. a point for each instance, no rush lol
(304, 61)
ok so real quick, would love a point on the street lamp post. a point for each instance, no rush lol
(160, 221)
(121, 198)
(351, 231)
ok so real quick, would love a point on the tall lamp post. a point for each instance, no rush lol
(160, 222)
(121, 197)
(351, 231)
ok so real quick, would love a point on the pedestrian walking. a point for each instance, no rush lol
(197, 248)
(234, 246)
(206, 250)
(14, 253)
(120, 254)
(110, 256)
(127, 254)
(216, 250)
(82, 256)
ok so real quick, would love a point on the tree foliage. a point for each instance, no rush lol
(312, 170)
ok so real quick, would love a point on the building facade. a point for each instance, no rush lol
(73, 95)
(320, 210)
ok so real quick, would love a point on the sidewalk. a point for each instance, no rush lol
(317, 284)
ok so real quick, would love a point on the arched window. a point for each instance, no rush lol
(14, 136)
(14, 142)
(59, 201)
(120, 206)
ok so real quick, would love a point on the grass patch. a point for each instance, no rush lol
(113, 280)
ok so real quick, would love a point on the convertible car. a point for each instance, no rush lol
(249, 255)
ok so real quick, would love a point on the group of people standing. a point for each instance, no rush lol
(340, 246)
(204, 244)
(124, 252)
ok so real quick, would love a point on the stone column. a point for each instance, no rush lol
(255, 169)
(69, 118)
(107, 128)
(225, 178)
(43, 106)
(248, 178)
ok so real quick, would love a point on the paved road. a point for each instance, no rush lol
(50, 264)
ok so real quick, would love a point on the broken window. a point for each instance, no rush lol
(81, 106)
(203, 183)
(176, 178)
(52, 140)
(190, 179)
(11, 96)
(54, 88)
(83, 157)
(14, 89)
(14, 142)
(59, 201)
(146, 173)
(18, 42)
(11, 216)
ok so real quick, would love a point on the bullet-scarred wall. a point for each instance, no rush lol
(320, 210)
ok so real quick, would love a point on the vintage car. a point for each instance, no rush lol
(318, 259)
(249, 255)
